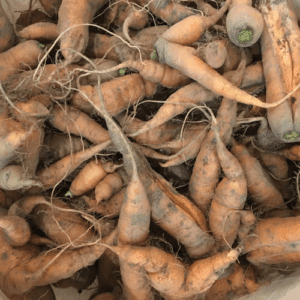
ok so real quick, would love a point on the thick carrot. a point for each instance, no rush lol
(260, 187)
(88, 177)
(205, 174)
(59, 226)
(52, 175)
(57, 146)
(16, 230)
(9, 143)
(76, 38)
(176, 214)
(106, 188)
(184, 59)
(170, 276)
(110, 208)
(27, 266)
(230, 197)
(69, 119)
(118, 93)
(21, 57)
(39, 31)
(14, 178)
(190, 29)
(114, 48)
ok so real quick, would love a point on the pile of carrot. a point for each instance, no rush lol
(149, 148)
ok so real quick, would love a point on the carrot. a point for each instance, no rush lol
(244, 23)
(80, 280)
(59, 226)
(229, 197)
(280, 118)
(248, 219)
(91, 174)
(270, 234)
(51, 6)
(101, 64)
(205, 174)
(153, 138)
(52, 175)
(168, 275)
(260, 187)
(76, 38)
(114, 48)
(69, 119)
(232, 285)
(21, 57)
(106, 188)
(190, 29)
(206, 8)
(225, 55)
(9, 144)
(195, 94)
(118, 93)
(136, 19)
(170, 12)
(156, 72)
(38, 292)
(176, 214)
(110, 208)
(187, 148)
(39, 31)
(57, 146)
(196, 69)
(292, 153)
(14, 178)
(15, 230)
(148, 152)
(27, 266)
(27, 84)
(7, 36)
(29, 109)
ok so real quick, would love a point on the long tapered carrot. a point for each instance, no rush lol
(185, 60)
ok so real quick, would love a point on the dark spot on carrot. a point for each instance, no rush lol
(293, 100)
(205, 160)
(229, 281)
(214, 141)
(4, 256)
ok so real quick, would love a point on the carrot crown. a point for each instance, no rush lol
(245, 36)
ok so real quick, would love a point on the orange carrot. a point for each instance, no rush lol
(260, 187)
(118, 93)
(69, 119)
(193, 67)
(106, 188)
(88, 177)
(52, 175)
(190, 29)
